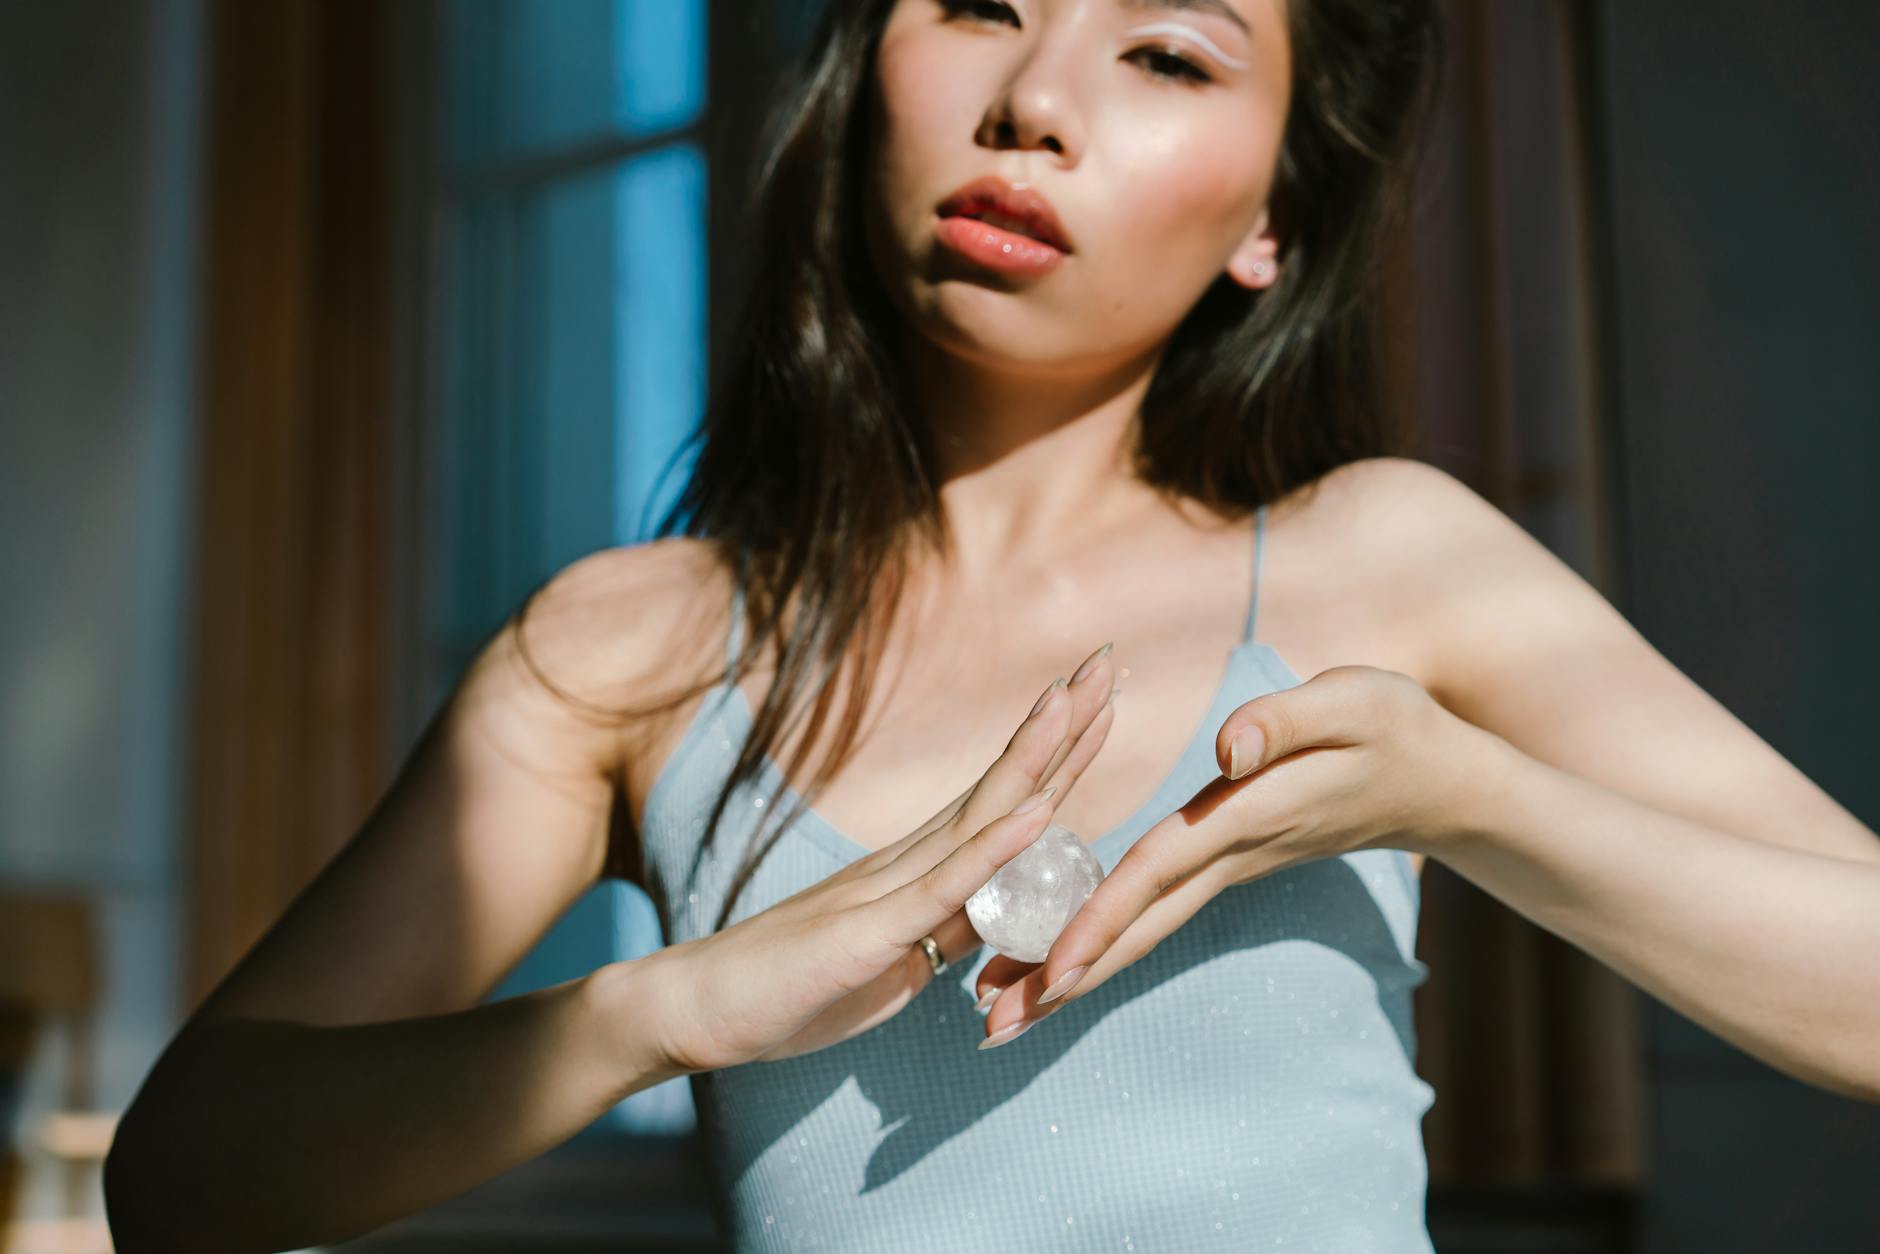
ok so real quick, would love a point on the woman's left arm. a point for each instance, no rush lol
(1555, 759)
(1772, 948)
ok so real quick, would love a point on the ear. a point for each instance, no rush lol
(1254, 264)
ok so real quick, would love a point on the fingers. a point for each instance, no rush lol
(929, 901)
(1042, 742)
(1171, 859)
(957, 941)
(1126, 933)
(917, 857)
(1068, 755)
(892, 853)
(1335, 707)
(1000, 972)
(1080, 755)
(1165, 876)
(918, 853)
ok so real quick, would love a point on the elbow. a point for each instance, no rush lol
(1865, 1087)
(149, 1205)
(1851, 1069)
(139, 1176)
(140, 1206)
(1860, 1069)
(1862, 1089)
(127, 1190)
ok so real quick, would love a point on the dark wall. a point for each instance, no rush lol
(1745, 163)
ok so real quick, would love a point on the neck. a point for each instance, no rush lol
(1032, 465)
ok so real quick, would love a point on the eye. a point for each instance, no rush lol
(978, 8)
(1161, 63)
(1172, 66)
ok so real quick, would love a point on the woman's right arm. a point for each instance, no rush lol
(343, 1075)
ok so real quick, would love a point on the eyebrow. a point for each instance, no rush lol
(1220, 8)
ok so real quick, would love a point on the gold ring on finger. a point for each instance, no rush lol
(934, 959)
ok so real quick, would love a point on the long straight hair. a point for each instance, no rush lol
(813, 475)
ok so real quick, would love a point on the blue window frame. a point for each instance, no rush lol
(570, 351)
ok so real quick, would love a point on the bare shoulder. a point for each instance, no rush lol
(625, 630)
(1358, 562)
(1374, 560)
(1468, 581)
(1452, 578)
(612, 654)
(1398, 504)
(1516, 641)
(596, 615)
(503, 813)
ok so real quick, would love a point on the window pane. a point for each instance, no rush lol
(572, 341)
(660, 52)
(573, 368)
(528, 76)
(525, 394)
(662, 331)
(573, 320)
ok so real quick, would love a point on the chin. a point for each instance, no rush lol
(992, 349)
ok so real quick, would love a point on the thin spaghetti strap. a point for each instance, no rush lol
(1259, 550)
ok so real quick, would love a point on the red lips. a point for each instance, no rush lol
(989, 197)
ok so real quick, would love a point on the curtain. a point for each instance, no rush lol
(298, 458)
(1503, 302)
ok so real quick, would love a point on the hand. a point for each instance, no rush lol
(1355, 758)
(842, 956)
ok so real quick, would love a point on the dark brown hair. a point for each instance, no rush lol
(813, 474)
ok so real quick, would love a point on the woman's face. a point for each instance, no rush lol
(1158, 168)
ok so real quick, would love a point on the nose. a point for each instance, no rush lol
(1037, 107)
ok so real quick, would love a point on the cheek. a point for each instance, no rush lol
(1195, 187)
(923, 111)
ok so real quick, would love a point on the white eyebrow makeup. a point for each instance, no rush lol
(1176, 28)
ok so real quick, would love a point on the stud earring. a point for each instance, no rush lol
(1262, 268)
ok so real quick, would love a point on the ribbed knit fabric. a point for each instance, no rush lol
(1248, 1085)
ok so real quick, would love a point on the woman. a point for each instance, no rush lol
(1060, 337)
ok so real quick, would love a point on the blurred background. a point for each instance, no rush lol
(329, 329)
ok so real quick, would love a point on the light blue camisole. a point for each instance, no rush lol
(1247, 1085)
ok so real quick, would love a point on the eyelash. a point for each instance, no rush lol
(1187, 71)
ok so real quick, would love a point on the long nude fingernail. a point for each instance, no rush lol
(985, 1001)
(1091, 661)
(1034, 801)
(1055, 685)
(1010, 1032)
(1061, 985)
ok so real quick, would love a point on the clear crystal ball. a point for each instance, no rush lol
(1027, 902)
